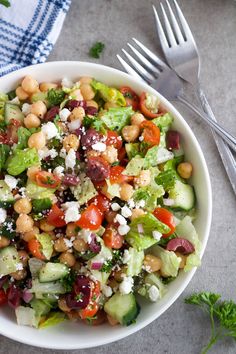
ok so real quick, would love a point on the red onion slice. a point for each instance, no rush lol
(168, 201)
(13, 296)
(27, 296)
(96, 265)
(94, 246)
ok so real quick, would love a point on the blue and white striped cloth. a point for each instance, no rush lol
(28, 31)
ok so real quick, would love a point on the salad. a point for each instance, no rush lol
(96, 207)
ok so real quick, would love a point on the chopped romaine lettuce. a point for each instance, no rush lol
(33, 191)
(109, 94)
(163, 122)
(40, 205)
(170, 261)
(4, 153)
(85, 190)
(151, 157)
(173, 163)
(23, 136)
(55, 96)
(46, 244)
(40, 307)
(53, 319)
(26, 316)
(134, 166)
(20, 160)
(35, 265)
(113, 189)
(132, 149)
(135, 262)
(117, 118)
(166, 179)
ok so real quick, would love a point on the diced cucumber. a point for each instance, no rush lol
(9, 260)
(52, 271)
(12, 111)
(39, 288)
(135, 262)
(183, 196)
(123, 308)
(6, 196)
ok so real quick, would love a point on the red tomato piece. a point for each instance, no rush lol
(131, 97)
(151, 133)
(112, 138)
(90, 310)
(112, 238)
(91, 218)
(102, 202)
(47, 180)
(3, 297)
(167, 218)
(34, 247)
(56, 216)
(116, 175)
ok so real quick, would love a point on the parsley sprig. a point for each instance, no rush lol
(222, 316)
(96, 50)
(5, 3)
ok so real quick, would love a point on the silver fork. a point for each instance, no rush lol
(157, 74)
(182, 55)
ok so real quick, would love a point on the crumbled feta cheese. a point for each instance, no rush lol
(3, 215)
(71, 215)
(153, 293)
(126, 285)
(86, 235)
(107, 290)
(63, 153)
(15, 100)
(141, 138)
(70, 159)
(69, 242)
(123, 229)
(50, 130)
(140, 204)
(64, 114)
(11, 181)
(126, 256)
(126, 212)
(19, 266)
(115, 206)
(131, 203)
(58, 171)
(157, 235)
(67, 82)
(68, 205)
(22, 192)
(26, 108)
(120, 219)
(99, 146)
(45, 152)
(75, 124)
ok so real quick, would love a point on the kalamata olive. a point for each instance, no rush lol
(70, 180)
(80, 296)
(13, 296)
(94, 246)
(90, 137)
(92, 111)
(97, 169)
(180, 245)
(172, 140)
(51, 114)
(71, 104)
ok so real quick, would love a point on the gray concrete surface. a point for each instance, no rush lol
(182, 329)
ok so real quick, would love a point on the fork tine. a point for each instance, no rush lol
(144, 60)
(178, 33)
(160, 30)
(143, 72)
(170, 34)
(128, 68)
(185, 26)
(150, 54)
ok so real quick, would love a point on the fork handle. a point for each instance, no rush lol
(224, 151)
(228, 138)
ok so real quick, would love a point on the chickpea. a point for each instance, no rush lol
(152, 263)
(112, 321)
(71, 230)
(45, 226)
(27, 236)
(68, 259)
(92, 153)
(136, 213)
(183, 259)
(143, 179)
(37, 140)
(19, 274)
(21, 94)
(24, 223)
(137, 118)
(23, 206)
(126, 191)
(87, 92)
(80, 245)
(185, 169)
(92, 103)
(45, 86)
(32, 171)
(76, 94)
(24, 257)
(62, 305)
(130, 133)
(31, 121)
(110, 154)
(110, 216)
(119, 274)
(39, 109)
(29, 84)
(71, 142)
(77, 113)
(4, 242)
(109, 105)
(60, 245)
(85, 80)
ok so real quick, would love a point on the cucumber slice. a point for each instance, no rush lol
(9, 260)
(183, 196)
(123, 308)
(6, 196)
(12, 111)
(52, 271)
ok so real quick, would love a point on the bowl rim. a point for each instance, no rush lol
(189, 275)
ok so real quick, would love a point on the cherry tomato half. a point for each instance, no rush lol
(3, 297)
(56, 216)
(146, 112)
(90, 310)
(91, 218)
(112, 138)
(116, 175)
(151, 133)
(47, 180)
(35, 247)
(131, 97)
(112, 238)
(167, 218)
(102, 202)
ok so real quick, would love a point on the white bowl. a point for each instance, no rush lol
(72, 335)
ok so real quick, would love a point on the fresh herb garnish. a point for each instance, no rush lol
(94, 122)
(109, 264)
(5, 3)
(222, 316)
(96, 50)
(68, 281)
(164, 240)
(55, 96)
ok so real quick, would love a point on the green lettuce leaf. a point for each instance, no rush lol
(135, 262)
(134, 166)
(53, 319)
(4, 153)
(163, 122)
(46, 244)
(40, 205)
(20, 160)
(132, 149)
(166, 179)
(23, 136)
(116, 118)
(26, 316)
(170, 262)
(85, 190)
(109, 94)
